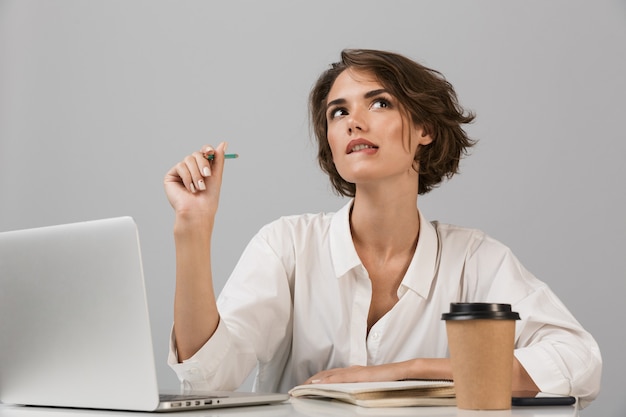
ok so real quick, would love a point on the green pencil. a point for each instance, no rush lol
(226, 156)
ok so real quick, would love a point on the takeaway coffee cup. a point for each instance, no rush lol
(481, 338)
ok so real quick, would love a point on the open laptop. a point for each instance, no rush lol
(74, 323)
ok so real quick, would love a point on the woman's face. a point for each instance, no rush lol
(368, 133)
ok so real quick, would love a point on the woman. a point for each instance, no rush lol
(357, 295)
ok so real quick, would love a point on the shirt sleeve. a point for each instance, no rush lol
(198, 373)
(255, 319)
(560, 356)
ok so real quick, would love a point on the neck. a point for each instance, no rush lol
(386, 224)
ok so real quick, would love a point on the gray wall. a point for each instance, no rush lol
(99, 98)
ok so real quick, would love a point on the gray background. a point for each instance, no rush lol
(99, 99)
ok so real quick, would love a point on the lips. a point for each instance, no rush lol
(359, 145)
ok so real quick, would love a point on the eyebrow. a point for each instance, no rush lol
(369, 94)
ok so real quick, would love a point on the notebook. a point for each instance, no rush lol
(74, 323)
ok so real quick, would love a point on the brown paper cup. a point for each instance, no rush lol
(481, 353)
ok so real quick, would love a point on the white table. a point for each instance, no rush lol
(297, 407)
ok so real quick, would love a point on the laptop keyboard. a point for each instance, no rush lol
(186, 397)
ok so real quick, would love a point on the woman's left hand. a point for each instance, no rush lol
(386, 372)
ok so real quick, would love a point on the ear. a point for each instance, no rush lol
(424, 136)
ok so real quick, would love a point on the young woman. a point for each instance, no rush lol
(357, 295)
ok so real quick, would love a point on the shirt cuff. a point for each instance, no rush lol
(543, 371)
(196, 372)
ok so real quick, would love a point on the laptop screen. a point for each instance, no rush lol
(74, 317)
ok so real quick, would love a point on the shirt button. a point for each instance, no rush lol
(193, 371)
(375, 336)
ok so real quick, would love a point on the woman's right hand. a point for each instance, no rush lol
(193, 185)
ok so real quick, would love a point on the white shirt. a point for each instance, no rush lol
(297, 303)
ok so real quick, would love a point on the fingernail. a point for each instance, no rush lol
(206, 171)
(193, 187)
(201, 185)
(315, 381)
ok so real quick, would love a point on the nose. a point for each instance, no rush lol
(353, 129)
(356, 122)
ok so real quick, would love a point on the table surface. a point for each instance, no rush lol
(298, 407)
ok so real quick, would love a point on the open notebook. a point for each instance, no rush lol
(74, 322)
(406, 393)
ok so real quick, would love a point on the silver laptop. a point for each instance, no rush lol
(74, 324)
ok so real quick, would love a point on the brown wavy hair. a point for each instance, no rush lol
(424, 95)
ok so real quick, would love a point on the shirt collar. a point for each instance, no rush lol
(342, 251)
(422, 268)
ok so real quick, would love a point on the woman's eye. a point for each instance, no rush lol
(380, 103)
(337, 113)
